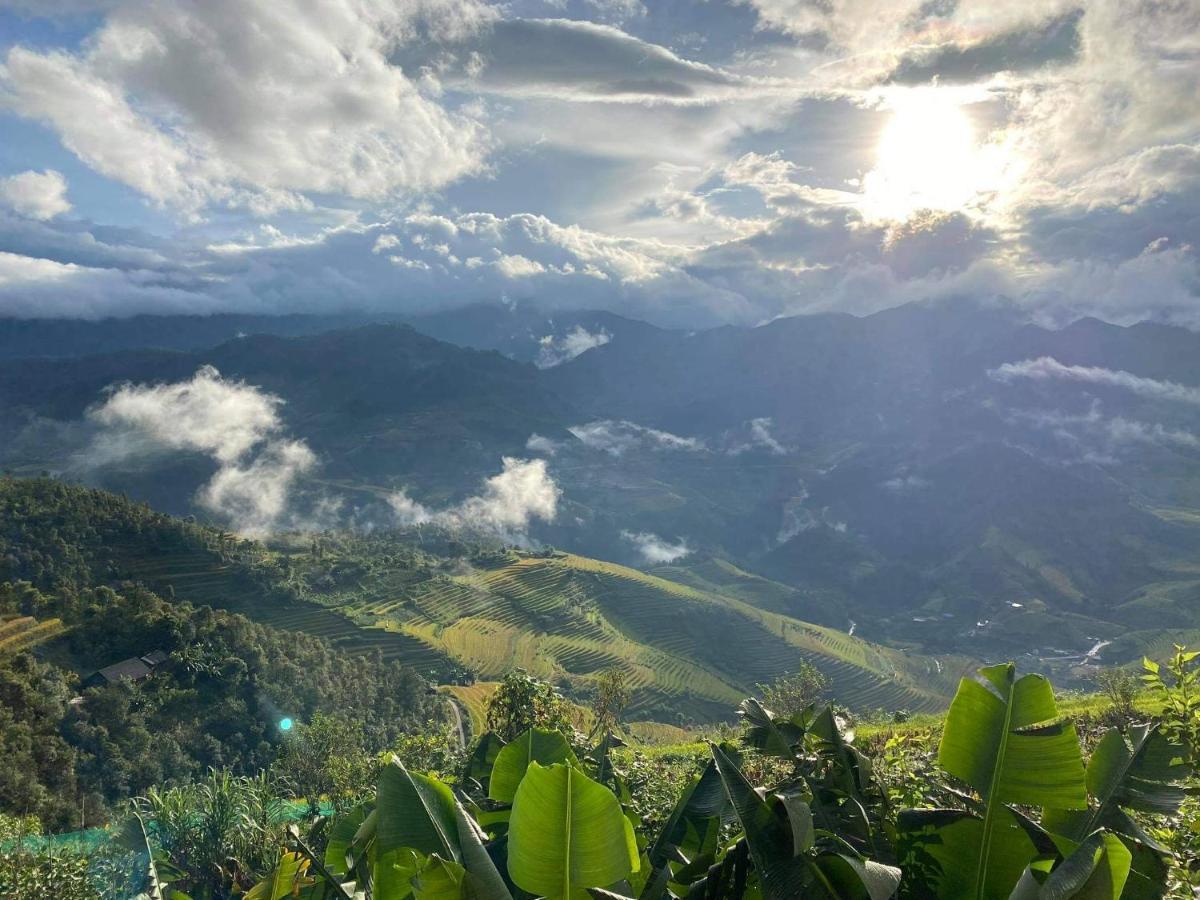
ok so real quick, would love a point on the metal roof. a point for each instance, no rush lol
(133, 668)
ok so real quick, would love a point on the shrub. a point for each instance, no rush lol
(1121, 687)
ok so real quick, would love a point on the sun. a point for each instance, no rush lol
(929, 158)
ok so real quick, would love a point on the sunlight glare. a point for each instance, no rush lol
(928, 158)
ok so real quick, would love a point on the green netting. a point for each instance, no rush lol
(94, 838)
(83, 841)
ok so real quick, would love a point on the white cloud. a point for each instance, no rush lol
(504, 508)
(538, 443)
(1084, 431)
(518, 266)
(654, 549)
(575, 60)
(619, 437)
(236, 424)
(724, 188)
(251, 104)
(1046, 368)
(798, 518)
(38, 195)
(257, 494)
(221, 418)
(35, 287)
(554, 350)
(865, 42)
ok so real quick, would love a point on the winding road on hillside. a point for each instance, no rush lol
(459, 727)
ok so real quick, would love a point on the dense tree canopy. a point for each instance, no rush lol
(72, 752)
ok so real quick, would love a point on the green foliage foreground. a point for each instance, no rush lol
(1025, 817)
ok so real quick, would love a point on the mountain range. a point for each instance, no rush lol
(938, 477)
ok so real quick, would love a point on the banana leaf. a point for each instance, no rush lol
(546, 747)
(1003, 736)
(567, 834)
(1096, 870)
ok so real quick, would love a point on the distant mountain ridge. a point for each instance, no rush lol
(523, 332)
(945, 476)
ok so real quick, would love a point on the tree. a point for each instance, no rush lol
(788, 694)
(612, 696)
(522, 702)
(322, 757)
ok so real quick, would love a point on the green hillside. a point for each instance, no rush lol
(453, 610)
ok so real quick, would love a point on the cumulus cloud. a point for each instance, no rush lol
(34, 287)
(367, 130)
(38, 195)
(654, 549)
(505, 507)
(1046, 368)
(253, 105)
(554, 350)
(863, 42)
(617, 438)
(1029, 46)
(256, 495)
(221, 418)
(236, 424)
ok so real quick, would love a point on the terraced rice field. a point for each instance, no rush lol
(200, 577)
(690, 653)
(24, 632)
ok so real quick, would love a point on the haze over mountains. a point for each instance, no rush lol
(945, 477)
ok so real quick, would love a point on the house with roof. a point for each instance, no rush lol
(133, 669)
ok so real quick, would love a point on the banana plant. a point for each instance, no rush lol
(567, 834)
(1143, 775)
(845, 798)
(690, 836)
(792, 858)
(1004, 738)
(514, 759)
(288, 878)
(156, 871)
(554, 825)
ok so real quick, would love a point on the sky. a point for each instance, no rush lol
(689, 162)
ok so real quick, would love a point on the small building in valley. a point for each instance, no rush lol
(133, 669)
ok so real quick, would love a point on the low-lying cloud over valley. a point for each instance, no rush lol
(237, 425)
(504, 508)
